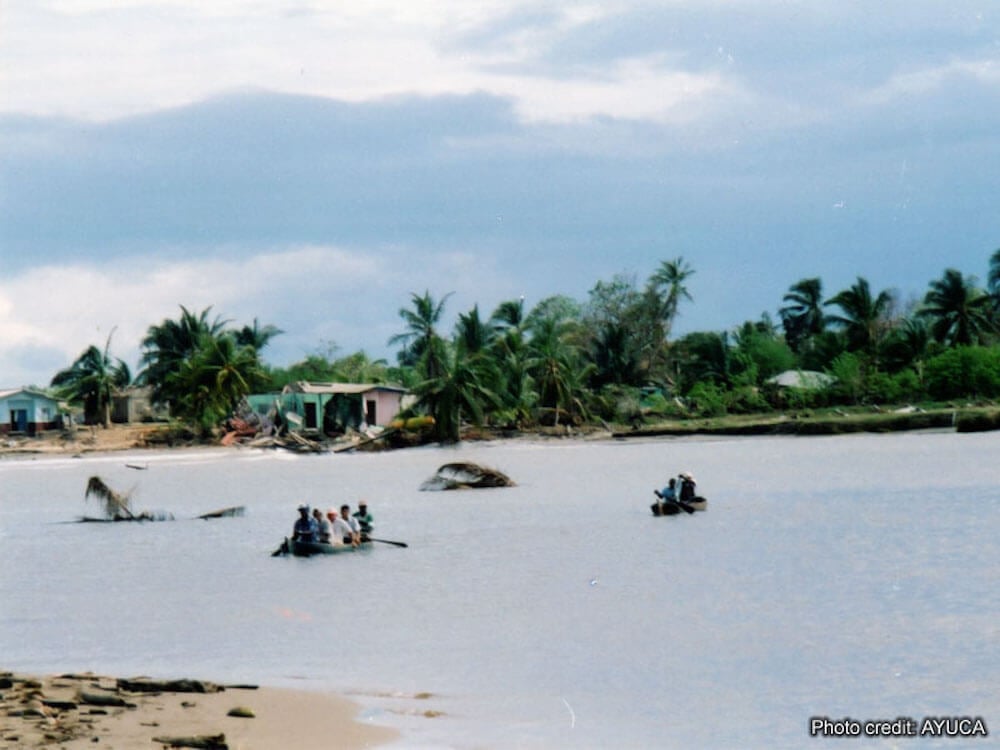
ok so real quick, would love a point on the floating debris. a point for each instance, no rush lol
(462, 475)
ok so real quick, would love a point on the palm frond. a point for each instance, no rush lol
(115, 503)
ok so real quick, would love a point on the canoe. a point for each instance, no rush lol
(307, 549)
(672, 508)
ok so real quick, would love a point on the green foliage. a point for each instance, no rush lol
(966, 371)
(707, 399)
(92, 380)
(848, 369)
(211, 383)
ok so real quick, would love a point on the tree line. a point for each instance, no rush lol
(610, 357)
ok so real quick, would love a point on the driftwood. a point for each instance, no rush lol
(203, 741)
(366, 441)
(236, 510)
(143, 685)
(457, 476)
(104, 699)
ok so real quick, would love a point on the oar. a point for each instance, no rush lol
(386, 541)
(282, 549)
(684, 506)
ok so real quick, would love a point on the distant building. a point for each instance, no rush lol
(331, 407)
(134, 404)
(27, 411)
(809, 380)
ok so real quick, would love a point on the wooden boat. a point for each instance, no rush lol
(672, 508)
(308, 549)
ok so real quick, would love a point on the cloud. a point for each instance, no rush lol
(318, 295)
(59, 61)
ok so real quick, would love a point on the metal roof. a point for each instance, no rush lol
(334, 388)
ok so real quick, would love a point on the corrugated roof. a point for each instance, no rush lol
(334, 388)
(808, 379)
(4, 393)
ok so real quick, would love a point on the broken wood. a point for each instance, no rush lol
(203, 741)
(236, 510)
(104, 699)
(143, 685)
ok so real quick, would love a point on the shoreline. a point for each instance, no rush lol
(82, 710)
(145, 437)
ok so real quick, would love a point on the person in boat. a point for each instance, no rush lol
(687, 487)
(323, 531)
(305, 527)
(669, 493)
(365, 519)
(340, 530)
(354, 523)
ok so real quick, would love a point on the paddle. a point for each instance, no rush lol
(282, 549)
(679, 503)
(386, 541)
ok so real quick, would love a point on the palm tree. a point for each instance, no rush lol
(803, 318)
(256, 335)
(473, 334)
(958, 310)
(555, 367)
(668, 281)
(509, 349)
(463, 388)
(212, 382)
(422, 345)
(993, 286)
(93, 379)
(864, 319)
(168, 345)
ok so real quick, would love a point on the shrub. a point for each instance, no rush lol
(707, 399)
(964, 371)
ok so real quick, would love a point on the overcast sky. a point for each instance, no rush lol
(311, 164)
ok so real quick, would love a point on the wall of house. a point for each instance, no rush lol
(38, 414)
(386, 405)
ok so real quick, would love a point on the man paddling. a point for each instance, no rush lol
(305, 527)
(365, 520)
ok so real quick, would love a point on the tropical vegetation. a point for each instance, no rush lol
(610, 358)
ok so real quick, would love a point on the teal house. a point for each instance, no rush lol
(331, 407)
(26, 411)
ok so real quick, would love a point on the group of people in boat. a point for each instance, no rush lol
(343, 528)
(680, 490)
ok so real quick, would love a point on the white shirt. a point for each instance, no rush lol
(340, 529)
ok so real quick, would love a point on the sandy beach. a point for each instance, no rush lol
(84, 711)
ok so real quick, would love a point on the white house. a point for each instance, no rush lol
(27, 411)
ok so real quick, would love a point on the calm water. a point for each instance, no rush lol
(845, 577)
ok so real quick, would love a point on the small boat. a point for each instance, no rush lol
(308, 549)
(673, 507)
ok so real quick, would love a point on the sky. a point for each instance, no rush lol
(311, 165)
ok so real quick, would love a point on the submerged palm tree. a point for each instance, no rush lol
(92, 379)
(958, 310)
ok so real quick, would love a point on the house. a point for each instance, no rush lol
(135, 404)
(810, 380)
(332, 407)
(28, 411)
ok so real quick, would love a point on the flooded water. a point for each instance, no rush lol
(839, 577)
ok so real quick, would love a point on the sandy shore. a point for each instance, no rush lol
(89, 711)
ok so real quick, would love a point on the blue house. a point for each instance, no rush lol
(27, 411)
